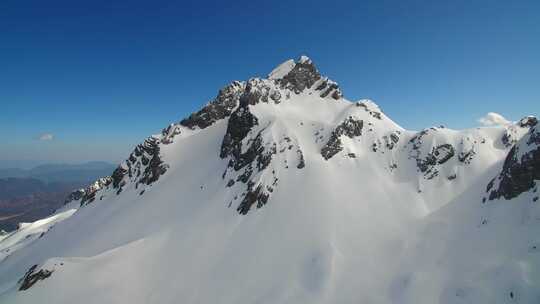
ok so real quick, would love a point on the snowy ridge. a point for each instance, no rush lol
(280, 190)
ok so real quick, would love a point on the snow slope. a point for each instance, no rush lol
(282, 191)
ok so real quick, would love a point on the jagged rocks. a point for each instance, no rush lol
(368, 107)
(391, 140)
(221, 107)
(144, 166)
(301, 162)
(427, 162)
(303, 75)
(168, 134)
(90, 191)
(466, 156)
(515, 131)
(256, 156)
(443, 153)
(328, 87)
(251, 197)
(350, 127)
(528, 121)
(520, 169)
(438, 156)
(32, 276)
(240, 124)
(88, 195)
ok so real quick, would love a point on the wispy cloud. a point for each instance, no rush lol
(46, 137)
(493, 119)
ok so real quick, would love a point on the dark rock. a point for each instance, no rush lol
(88, 194)
(391, 140)
(240, 123)
(350, 127)
(221, 107)
(32, 276)
(520, 170)
(528, 121)
(373, 113)
(253, 196)
(443, 153)
(301, 162)
(302, 76)
(466, 157)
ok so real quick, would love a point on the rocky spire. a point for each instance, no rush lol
(302, 74)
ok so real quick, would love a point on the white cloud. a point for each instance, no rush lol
(46, 136)
(493, 119)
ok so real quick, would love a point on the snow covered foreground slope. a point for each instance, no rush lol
(282, 191)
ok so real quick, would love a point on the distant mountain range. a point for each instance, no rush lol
(88, 171)
(30, 194)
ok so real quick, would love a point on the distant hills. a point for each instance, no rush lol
(85, 172)
(30, 194)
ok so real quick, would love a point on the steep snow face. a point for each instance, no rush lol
(280, 190)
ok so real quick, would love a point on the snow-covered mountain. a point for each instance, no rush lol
(281, 190)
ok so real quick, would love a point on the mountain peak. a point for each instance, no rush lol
(301, 74)
(289, 65)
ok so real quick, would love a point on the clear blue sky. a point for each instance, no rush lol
(102, 75)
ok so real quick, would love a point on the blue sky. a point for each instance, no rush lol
(99, 76)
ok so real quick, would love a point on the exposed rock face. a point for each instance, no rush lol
(350, 127)
(367, 105)
(220, 108)
(251, 148)
(240, 124)
(515, 131)
(391, 140)
(168, 133)
(302, 76)
(256, 157)
(32, 276)
(438, 156)
(144, 166)
(251, 197)
(521, 168)
(466, 156)
(428, 162)
(528, 121)
(88, 195)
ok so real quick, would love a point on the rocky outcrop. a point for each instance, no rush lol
(221, 107)
(369, 107)
(256, 157)
(253, 196)
(304, 75)
(88, 195)
(32, 276)
(521, 168)
(515, 131)
(350, 127)
(438, 156)
(428, 161)
(528, 122)
(144, 166)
